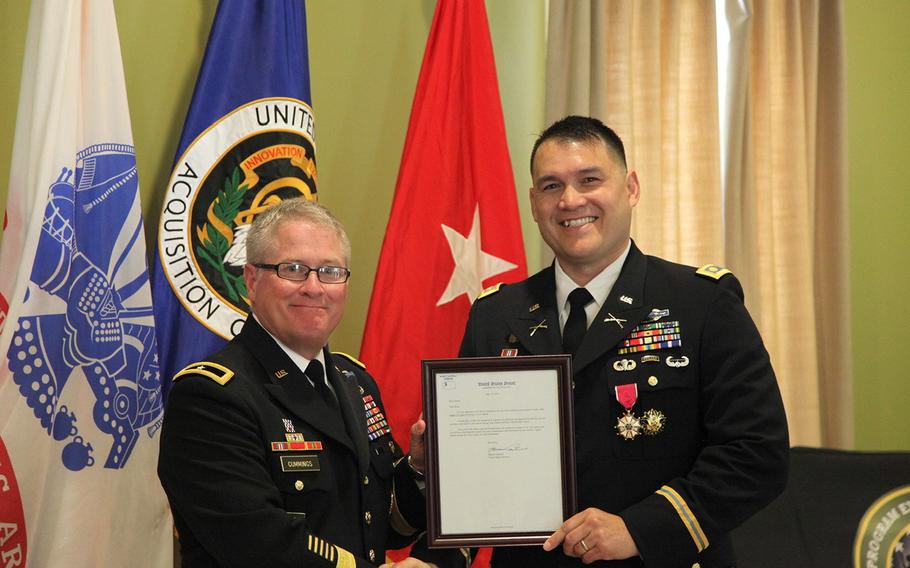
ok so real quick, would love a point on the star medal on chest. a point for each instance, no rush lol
(628, 426)
(653, 422)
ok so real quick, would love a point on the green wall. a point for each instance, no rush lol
(364, 61)
(878, 123)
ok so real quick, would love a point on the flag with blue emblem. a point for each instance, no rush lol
(80, 395)
(247, 143)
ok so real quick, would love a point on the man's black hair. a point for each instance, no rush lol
(581, 129)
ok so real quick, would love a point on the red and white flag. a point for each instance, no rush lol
(454, 227)
(80, 396)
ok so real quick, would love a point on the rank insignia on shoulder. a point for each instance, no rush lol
(218, 373)
(350, 358)
(713, 271)
(491, 290)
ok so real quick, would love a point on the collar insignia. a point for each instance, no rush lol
(541, 325)
(616, 320)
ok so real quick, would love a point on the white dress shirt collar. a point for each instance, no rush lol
(599, 287)
(298, 359)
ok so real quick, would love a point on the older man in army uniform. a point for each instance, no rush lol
(680, 431)
(275, 451)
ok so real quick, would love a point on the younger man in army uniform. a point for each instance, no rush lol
(680, 430)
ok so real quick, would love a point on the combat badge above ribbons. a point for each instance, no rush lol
(657, 314)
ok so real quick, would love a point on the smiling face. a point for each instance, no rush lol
(582, 201)
(301, 315)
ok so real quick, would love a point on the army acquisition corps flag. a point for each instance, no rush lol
(247, 143)
(80, 400)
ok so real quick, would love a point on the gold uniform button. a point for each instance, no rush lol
(696, 565)
(372, 555)
(368, 517)
(298, 485)
(366, 480)
(652, 380)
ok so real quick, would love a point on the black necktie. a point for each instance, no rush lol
(315, 373)
(577, 324)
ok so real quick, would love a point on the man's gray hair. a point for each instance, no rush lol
(262, 230)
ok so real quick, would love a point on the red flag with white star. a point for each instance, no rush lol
(454, 227)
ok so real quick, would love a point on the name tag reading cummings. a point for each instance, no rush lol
(299, 463)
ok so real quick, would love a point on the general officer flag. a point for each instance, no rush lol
(247, 143)
(454, 226)
(80, 400)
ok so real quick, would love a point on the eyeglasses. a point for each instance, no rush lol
(300, 272)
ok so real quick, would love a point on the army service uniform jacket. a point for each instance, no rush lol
(713, 444)
(256, 477)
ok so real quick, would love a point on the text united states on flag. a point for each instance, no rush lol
(247, 143)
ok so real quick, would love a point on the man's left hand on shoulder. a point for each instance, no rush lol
(593, 535)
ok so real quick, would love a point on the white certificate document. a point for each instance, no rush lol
(499, 451)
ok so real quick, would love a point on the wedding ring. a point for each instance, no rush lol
(583, 545)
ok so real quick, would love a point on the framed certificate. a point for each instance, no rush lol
(500, 461)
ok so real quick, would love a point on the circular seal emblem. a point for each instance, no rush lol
(883, 537)
(251, 158)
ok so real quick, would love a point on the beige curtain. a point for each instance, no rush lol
(753, 178)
